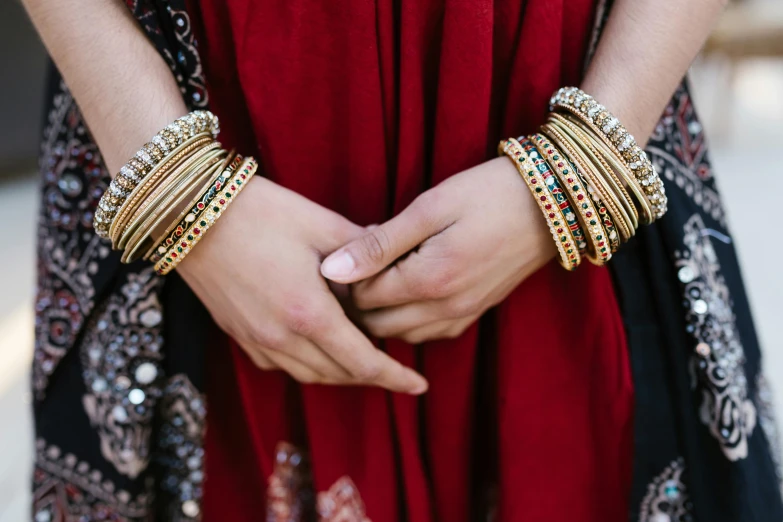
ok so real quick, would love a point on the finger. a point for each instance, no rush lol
(261, 360)
(308, 354)
(448, 329)
(398, 320)
(381, 246)
(411, 279)
(294, 368)
(367, 364)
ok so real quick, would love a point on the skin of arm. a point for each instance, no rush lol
(463, 246)
(112, 70)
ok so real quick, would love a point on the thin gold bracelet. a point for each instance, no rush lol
(596, 185)
(183, 152)
(582, 141)
(190, 181)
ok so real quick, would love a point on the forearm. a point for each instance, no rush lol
(123, 87)
(645, 51)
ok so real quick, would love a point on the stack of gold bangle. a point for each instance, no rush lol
(600, 172)
(174, 188)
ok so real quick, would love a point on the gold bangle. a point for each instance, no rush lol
(582, 141)
(190, 181)
(621, 169)
(193, 210)
(183, 153)
(596, 185)
(617, 138)
(535, 183)
(599, 249)
(193, 235)
(145, 159)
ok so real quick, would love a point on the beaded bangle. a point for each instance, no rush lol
(535, 183)
(574, 229)
(193, 235)
(619, 140)
(189, 182)
(145, 159)
(603, 213)
(191, 213)
(597, 251)
(618, 166)
(580, 140)
(595, 184)
(187, 154)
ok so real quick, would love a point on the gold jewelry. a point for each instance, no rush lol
(145, 159)
(535, 183)
(187, 152)
(599, 250)
(619, 140)
(597, 187)
(582, 141)
(165, 203)
(193, 210)
(193, 235)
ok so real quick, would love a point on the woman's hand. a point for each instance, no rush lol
(457, 250)
(257, 273)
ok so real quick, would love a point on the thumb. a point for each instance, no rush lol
(378, 248)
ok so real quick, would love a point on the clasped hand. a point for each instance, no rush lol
(428, 273)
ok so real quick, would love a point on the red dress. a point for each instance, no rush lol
(360, 106)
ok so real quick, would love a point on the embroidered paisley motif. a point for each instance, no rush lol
(290, 492)
(69, 490)
(69, 253)
(678, 150)
(667, 497)
(181, 449)
(718, 361)
(121, 357)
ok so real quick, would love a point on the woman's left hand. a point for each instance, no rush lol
(457, 250)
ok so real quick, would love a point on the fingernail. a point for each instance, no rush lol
(422, 387)
(339, 266)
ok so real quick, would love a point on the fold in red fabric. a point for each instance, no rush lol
(361, 106)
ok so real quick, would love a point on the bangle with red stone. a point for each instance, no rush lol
(191, 213)
(214, 210)
(535, 182)
(598, 251)
(560, 196)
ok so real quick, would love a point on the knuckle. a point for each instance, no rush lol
(426, 207)
(303, 317)
(439, 284)
(375, 246)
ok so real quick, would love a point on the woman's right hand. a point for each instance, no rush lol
(258, 273)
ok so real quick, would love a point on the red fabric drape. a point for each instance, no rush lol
(530, 410)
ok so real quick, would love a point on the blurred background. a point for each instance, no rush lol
(738, 89)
